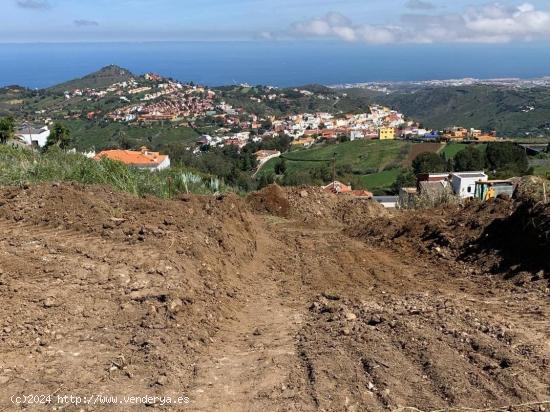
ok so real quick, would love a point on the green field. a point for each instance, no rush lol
(381, 181)
(370, 164)
(363, 156)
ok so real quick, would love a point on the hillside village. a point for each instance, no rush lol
(152, 98)
(240, 119)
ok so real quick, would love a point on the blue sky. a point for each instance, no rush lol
(354, 21)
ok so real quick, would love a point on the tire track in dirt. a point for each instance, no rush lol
(247, 367)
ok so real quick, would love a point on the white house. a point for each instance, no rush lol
(464, 183)
(33, 135)
(357, 134)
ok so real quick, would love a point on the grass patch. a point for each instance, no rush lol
(22, 166)
(380, 182)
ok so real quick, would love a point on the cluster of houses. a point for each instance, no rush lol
(381, 122)
(452, 134)
(91, 94)
(171, 101)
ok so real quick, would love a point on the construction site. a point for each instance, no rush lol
(285, 300)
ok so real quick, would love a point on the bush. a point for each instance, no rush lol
(428, 162)
(507, 159)
(469, 159)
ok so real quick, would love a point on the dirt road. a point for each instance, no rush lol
(244, 311)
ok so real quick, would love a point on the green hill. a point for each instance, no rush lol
(512, 112)
(100, 79)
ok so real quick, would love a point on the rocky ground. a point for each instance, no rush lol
(285, 301)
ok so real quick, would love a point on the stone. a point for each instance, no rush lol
(375, 320)
(351, 316)
(49, 302)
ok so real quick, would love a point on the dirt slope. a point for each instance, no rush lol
(333, 305)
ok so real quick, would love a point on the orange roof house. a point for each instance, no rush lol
(143, 159)
(336, 187)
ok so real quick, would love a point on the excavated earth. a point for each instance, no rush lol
(288, 300)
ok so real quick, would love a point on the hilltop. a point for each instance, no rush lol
(102, 78)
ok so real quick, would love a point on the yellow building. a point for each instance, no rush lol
(386, 133)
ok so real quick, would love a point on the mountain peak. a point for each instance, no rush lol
(101, 78)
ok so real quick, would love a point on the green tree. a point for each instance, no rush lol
(60, 136)
(7, 129)
(507, 158)
(428, 162)
(469, 159)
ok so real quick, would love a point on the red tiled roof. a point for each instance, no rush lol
(133, 158)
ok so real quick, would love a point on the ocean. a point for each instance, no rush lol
(271, 63)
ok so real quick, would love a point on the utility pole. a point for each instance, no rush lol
(334, 171)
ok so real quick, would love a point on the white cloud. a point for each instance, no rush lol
(490, 23)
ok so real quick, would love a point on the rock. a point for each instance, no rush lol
(303, 193)
(162, 380)
(175, 305)
(375, 320)
(346, 331)
(49, 302)
(257, 332)
(331, 296)
(4, 380)
(351, 316)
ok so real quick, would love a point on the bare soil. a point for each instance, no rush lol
(290, 300)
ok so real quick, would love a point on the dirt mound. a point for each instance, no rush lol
(502, 236)
(109, 293)
(192, 224)
(417, 351)
(272, 199)
(313, 206)
(531, 189)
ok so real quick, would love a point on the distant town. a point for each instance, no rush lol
(157, 99)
